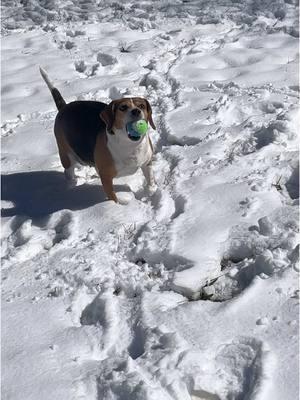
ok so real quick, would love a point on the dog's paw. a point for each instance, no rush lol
(71, 183)
(151, 189)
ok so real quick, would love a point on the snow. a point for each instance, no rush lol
(189, 293)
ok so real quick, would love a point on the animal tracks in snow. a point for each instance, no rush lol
(238, 369)
(241, 368)
(256, 252)
(137, 368)
(241, 371)
(223, 161)
(29, 238)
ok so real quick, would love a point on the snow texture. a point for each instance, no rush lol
(189, 293)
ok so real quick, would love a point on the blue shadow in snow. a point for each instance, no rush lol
(41, 193)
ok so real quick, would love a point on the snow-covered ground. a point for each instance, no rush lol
(191, 293)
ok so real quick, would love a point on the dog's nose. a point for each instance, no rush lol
(135, 112)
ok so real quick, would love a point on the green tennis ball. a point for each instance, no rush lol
(140, 126)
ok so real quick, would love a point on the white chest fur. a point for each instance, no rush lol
(128, 155)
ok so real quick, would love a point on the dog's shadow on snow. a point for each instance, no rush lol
(41, 193)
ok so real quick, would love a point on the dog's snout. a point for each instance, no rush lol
(136, 112)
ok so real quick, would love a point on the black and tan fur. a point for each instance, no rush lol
(88, 132)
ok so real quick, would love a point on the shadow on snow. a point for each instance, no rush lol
(40, 193)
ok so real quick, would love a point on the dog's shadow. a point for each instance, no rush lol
(41, 193)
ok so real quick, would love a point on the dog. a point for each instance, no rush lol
(94, 133)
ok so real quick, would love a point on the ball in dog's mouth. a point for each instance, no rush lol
(136, 129)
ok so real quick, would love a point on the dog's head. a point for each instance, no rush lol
(119, 112)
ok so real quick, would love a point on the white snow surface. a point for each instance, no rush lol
(190, 293)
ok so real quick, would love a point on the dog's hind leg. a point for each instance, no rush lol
(66, 158)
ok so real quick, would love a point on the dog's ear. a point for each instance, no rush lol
(149, 113)
(108, 116)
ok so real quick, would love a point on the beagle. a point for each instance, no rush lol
(94, 133)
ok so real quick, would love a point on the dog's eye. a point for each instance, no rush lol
(142, 106)
(123, 108)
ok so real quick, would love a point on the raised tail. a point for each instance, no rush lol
(57, 97)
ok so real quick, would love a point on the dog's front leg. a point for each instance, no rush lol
(148, 174)
(107, 183)
(70, 175)
(105, 167)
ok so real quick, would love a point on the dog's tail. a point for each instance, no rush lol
(59, 101)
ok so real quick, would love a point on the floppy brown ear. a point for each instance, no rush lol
(149, 113)
(108, 117)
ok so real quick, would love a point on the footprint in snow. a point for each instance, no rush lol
(30, 237)
(269, 134)
(103, 312)
(62, 228)
(241, 368)
(292, 184)
(255, 252)
(106, 59)
(84, 68)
